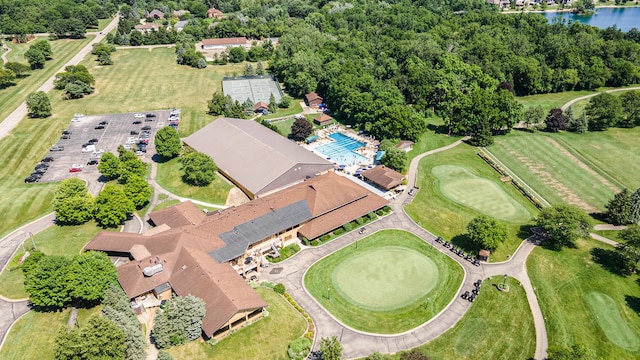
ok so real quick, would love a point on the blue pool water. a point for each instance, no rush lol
(341, 150)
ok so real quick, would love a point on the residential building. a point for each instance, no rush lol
(146, 28)
(155, 14)
(214, 13)
(223, 43)
(313, 99)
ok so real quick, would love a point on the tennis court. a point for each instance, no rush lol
(255, 88)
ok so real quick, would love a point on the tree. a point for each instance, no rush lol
(395, 159)
(217, 103)
(237, 54)
(635, 206)
(90, 274)
(110, 166)
(39, 105)
(579, 124)
(112, 206)
(285, 102)
(576, 352)
(619, 208)
(486, 232)
(168, 143)
(260, 68)
(413, 355)
(99, 339)
(630, 106)
(137, 190)
(7, 77)
(35, 58)
(116, 308)
(564, 224)
(603, 111)
(273, 105)
(630, 248)
(555, 121)
(301, 129)
(105, 59)
(75, 210)
(248, 70)
(46, 283)
(199, 169)
(76, 90)
(377, 356)
(299, 348)
(69, 188)
(44, 47)
(18, 68)
(179, 322)
(331, 348)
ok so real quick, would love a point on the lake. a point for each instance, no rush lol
(624, 18)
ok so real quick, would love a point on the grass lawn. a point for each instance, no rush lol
(394, 295)
(56, 240)
(552, 100)
(33, 335)
(549, 167)
(585, 303)
(284, 126)
(165, 204)
(294, 108)
(169, 177)
(266, 339)
(433, 138)
(498, 326)
(449, 217)
(63, 50)
(142, 80)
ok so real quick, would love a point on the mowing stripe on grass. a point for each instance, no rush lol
(386, 278)
(483, 195)
(610, 321)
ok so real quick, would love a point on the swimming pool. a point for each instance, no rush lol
(341, 150)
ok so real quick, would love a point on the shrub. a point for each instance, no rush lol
(279, 288)
(380, 212)
(360, 221)
(386, 209)
(325, 237)
(316, 242)
(354, 224)
(306, 241)
(338, 231)
(372, 216)
(299, 348)
(347, 227)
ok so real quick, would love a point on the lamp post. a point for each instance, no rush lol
(329, 293)
(33, 242)
(504, 283)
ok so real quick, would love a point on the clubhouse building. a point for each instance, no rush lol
(207, 255)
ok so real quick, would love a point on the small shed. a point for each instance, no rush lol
(383, 177)
(323, 120)
(483, 255)
(313, 99)
(260, 106)
(214, 13)
(406, 145)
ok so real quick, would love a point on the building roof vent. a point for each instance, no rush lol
(152, 270)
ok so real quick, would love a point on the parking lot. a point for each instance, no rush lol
(117, 131)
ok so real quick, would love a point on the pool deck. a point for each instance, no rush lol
(368, 151)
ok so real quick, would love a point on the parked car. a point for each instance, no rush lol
(143, 141)
(56, 148)
(133, 132)
(89, 148)
(148, 119)
(47, 159)
(37, 174)
(151, 115)
(75, 119)
(92, 141)
(93, 162)
(137, 116)
(78, 115)
(99, 127)
(42, 166)
(65, 136)
(139, 153)
(146, 127)
(126, 146)
(76, 168)
(66, 132)
(136, 122)
(104, 122)
(31, 179)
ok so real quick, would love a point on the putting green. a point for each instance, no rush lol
(610, 321)
(483, 195)
(385, 278)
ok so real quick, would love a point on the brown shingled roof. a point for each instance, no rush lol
(383, 176)
(225, 41)
(178, 215)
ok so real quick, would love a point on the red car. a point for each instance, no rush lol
(76, 168)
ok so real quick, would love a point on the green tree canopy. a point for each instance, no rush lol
(395, 159)
(180, 322)
(331, 348)
(564, 224)
(99, 339)
(44, 47)
(18, 68)
(603, 111)
(7, 77)
(117, 309)
(168, 143)
(199, 169)
(486, 232)
(35, 58)
(112, 206)
(39, 105)
(110, 166)
(90, 274)
(137, 190)
(72, 202)
(47, 283)
(619, 209)
(630, 247)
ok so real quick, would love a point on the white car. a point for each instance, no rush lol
(78, 115)
(77, 166)
(126, 146)
(75, 119)
(138, 116)
(98, 152)
(89, 148)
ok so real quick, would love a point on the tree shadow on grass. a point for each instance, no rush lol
(610, 260)
(438, 129)
(464, 242)
(633, 302)
(599, 216)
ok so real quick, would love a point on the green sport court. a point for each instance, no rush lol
(393, 282)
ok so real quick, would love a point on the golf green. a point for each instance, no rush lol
(483, 195)
(611, 322)
(385, 278)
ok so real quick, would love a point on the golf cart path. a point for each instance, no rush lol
(5, 52)
(21, 111)
(357, 343)
(573, 101)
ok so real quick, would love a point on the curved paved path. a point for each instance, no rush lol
(573, 101)
(21, 111)
(5, 52)
(360, 344)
